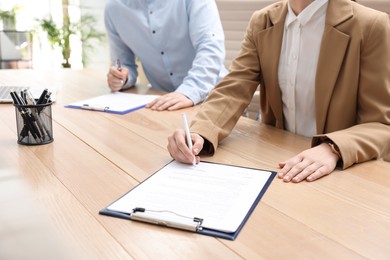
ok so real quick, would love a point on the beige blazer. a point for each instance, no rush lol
(352, 96)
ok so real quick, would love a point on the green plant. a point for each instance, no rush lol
(8, 18)
(60, 36)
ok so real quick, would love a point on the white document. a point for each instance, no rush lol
(221, 195)
(116, 102)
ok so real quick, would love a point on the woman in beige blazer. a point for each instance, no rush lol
(352, 90)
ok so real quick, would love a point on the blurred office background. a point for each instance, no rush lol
(23, 43)
(24, 34)
(32, 49)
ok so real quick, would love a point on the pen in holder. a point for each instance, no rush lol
(34, 123)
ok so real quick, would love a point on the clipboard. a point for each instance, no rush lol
(115, 102)
(163, 197)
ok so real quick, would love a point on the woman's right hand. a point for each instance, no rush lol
(178, 148)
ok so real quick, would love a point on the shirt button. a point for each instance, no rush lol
(151, 12)
(162, 53)
(171, 74)
(153, 31)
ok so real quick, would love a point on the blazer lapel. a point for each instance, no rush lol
(269, 42)
(333, 49)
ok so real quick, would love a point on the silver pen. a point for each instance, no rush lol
(188, 135)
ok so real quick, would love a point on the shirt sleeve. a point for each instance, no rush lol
(207, 37)
(118, 49)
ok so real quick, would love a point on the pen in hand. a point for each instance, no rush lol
(188, 135)
(119, 67)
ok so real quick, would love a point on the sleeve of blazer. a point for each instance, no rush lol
(225, 104)
(370, 137)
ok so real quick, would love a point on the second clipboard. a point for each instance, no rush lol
(116, 102)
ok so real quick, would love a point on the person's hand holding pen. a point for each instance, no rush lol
(117, 76)
(180, 151)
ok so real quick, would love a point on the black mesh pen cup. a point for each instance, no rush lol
(34, 124)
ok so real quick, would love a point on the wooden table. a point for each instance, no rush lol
(97, 157)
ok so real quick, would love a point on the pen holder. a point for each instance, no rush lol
(34, 124)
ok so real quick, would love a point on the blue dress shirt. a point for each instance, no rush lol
(180, 43)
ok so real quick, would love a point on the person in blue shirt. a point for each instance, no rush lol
(180, 45)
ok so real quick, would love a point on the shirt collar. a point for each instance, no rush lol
(307, 14)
